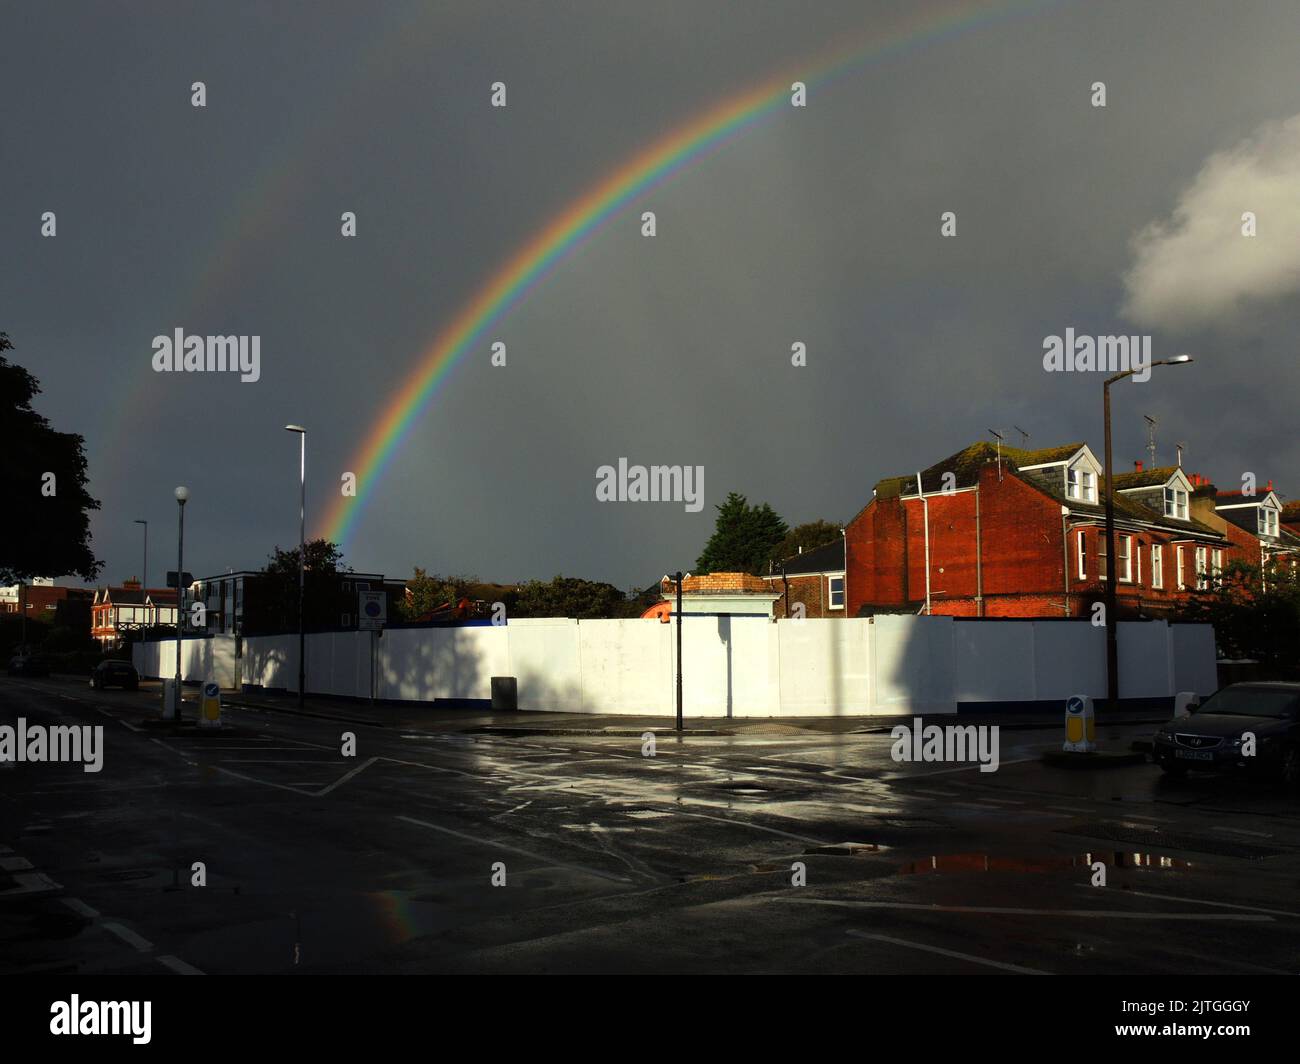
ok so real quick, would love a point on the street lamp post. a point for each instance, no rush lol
(182, 497)
(302, 555)
(1112, 568)
(144, 568)
(679, 650)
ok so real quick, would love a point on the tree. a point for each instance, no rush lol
(43, 487)
(1255, 611)
(567, 596)
(429, 592)
(808, 536)
(279, 587)
(743, 538)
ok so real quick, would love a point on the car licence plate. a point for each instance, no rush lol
(1195, 755)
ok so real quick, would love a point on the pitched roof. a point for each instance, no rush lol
(828, 558)
(966, 464)
(1147, 478)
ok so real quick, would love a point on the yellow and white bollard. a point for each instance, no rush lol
(1080, 725)
(210, 706)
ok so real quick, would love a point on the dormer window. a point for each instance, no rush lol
(1081, 484)
(1267, 521)
(1176, 503)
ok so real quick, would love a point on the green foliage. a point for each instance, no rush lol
(743, 539)
(809, 536)
(567, 596)
(278, 589)
(43, 535)
(429, 592)
(1255, 611)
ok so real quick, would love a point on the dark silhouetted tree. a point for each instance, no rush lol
(743, 538)
(808, 536)
(45, 530)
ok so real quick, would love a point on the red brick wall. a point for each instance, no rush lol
(1025, 562)
(810, 589)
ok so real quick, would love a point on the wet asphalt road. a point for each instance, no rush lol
(615, 862)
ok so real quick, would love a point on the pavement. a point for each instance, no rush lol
(272, 846)
(442, 717)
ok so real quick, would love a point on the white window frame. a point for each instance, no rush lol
(1266, 521)
(1081, 552)
(1080, 484)
(1176, 503)
(1179, 582)
(1124, 554)
(830, 591)
(1202, 569)
(1157, 566)
(1216, 566)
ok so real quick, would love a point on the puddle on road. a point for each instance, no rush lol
(983, 862)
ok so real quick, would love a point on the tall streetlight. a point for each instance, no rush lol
(302, 555)
(144, 568)
(1112, 568)
(182, 497)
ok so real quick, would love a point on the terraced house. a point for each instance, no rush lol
(1009, 532)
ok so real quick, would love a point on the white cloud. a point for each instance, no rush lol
(1196, 267)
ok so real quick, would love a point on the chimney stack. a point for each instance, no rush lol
(1137, 465)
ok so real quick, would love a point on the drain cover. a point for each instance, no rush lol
(1154, 838)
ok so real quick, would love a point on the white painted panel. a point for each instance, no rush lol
(913, 665)
(994, 661)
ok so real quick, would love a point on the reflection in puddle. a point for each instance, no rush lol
(983, 862)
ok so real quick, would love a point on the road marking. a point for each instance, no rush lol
(1116, 914)
(945, 771)
(1243, 831)
(202, 745)
(1200, 901)
(347, 776)
(178, 966)
(265, 783)
(29, 884)
(522, 805)
(933, 794)
(948, 953)
(111, 716)
(80, 908)
(171, 749)
(128, 936)
(15, 864)
(1071, 809)
(274, 761)
(755, 827)
(549, 861)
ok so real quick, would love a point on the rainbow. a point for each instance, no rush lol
(698, 138)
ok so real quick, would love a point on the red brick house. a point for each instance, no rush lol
(1258, 527)
(117, 610)
(1021, 533)
(813, 578)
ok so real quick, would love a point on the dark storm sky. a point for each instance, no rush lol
(821, 226)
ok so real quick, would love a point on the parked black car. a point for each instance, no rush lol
(1214, 735)
(28, 664)
(114, 673)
